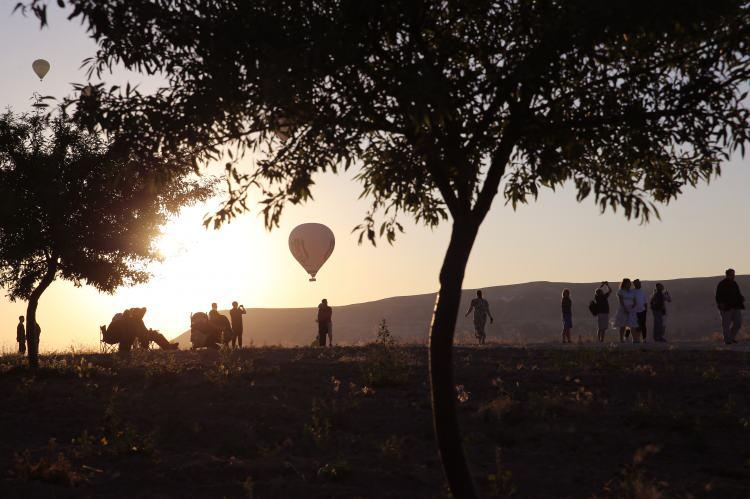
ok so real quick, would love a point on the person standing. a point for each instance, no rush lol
(21, 335)
(659, 301)
(325, 323)
(481, 308)
(601, 298)
(567, 315)
(641, 311)
(626, 318)
(730, 302)
(236, 314)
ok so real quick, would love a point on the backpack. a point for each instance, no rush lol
(593, 308)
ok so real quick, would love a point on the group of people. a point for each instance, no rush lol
(214, 329)
(127, 328)
(632, 311)
(633, 305)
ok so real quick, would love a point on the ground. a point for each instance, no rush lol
(356, 422)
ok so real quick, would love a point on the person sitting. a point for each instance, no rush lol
(221, 321)
(127, 329)
(204, 333)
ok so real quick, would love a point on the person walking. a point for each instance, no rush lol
(325, 323)
(236, 314)
(659, 301)
(481, 308)
(21, 335)
(626, 319)
(567, 315)
(601, 300)
(641, 311)
(730, 302)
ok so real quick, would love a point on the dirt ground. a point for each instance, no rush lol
(356, 422)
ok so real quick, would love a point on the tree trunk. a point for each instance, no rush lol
(443, 390)
(32, 336)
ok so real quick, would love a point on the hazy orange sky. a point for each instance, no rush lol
(554, 239)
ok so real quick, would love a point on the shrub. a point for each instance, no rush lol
(319, 428)
(385, 364)
(57, 470)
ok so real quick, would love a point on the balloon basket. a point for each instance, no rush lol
(312, 279)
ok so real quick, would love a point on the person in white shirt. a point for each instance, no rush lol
(641, 311)
(626, 319)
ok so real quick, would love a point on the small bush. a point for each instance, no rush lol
(320, 426)
(57, 470)
(335, 470)
(385, 364)
(633, 482)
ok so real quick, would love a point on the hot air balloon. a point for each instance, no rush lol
(40, 67)
(283, 129)
(311, 244)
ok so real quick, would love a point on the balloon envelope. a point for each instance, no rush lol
(311, 244)
(283, 129)
(40, 67)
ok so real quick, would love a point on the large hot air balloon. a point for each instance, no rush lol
(311, 244)
(40, 67)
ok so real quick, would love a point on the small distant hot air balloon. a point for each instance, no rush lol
(311, 244)
(283, 129)
(40, 67)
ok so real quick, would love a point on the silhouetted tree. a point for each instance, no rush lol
(438, 105)
(73, 206)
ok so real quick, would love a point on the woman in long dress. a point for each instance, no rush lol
(626, 319)
(481, 309)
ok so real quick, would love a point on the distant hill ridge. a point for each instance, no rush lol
(528, 312)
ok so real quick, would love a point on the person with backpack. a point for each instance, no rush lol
(567, 315)
(659, 300)
(128, 329)
(730, 303)
(599, 307)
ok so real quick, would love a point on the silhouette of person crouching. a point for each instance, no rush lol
(128, 329)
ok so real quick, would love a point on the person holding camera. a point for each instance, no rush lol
(236, 314)
(601, 300)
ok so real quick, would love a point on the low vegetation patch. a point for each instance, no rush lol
(274, 422)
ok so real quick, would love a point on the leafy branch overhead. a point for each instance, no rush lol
(73, 206)
(439, 104)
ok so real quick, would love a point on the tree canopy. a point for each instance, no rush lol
(436, 102)
(72, 206)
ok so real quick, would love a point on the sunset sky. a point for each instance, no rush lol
(555, 239)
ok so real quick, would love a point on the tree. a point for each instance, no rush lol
(74, 207)
(439, 105)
